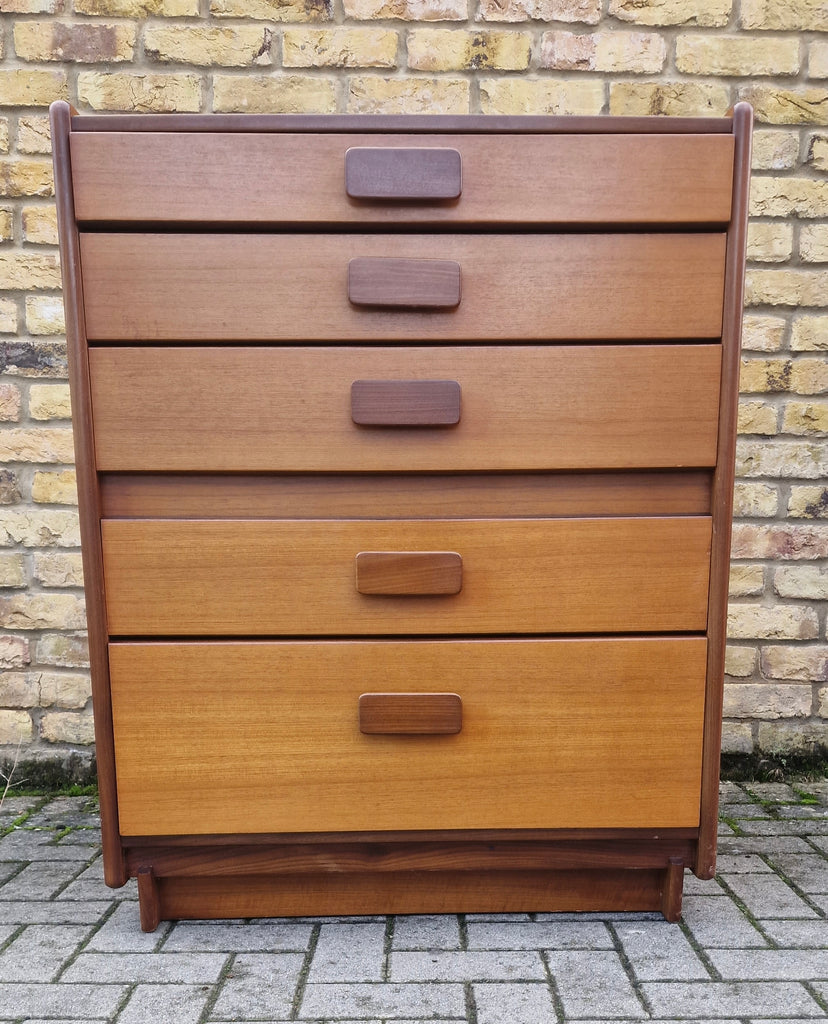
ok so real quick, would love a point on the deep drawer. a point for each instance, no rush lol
(299, 577)
(290, 409)
(286, 178)
(295, 287)
(254, 738)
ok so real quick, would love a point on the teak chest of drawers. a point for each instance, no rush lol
(405, 458)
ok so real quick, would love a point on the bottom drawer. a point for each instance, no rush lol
(247, 737)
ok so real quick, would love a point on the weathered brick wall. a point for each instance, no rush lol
(684, 57)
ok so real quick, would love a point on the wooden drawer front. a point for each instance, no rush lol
(266, 577)
(295, 287)
(289, 409)
(265, 737)
(281, 178)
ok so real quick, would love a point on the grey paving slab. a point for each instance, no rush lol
(659, 950)
(386, 1001)
(797, 934)
(259, 986)
(71, 1001)
(768, 896)
(593, 986)
(14, 806)
(689, 1000)
(426, 932)
(165, 1004)
(741, 864)
(43, 912)
(149, 967)
(821, 902)
(525, 965)
(768, 964)
(40, 881)
(253, 937)
(804, 811)
(88, 885)
(349, 952)
(807, 871)
(120, 934)
(31, 845)
(540, 935)
(10, 868)
(517, 1004)
(715, 921)
(701, 886)
(789, 827)
(765, 845)
(66, 812)
(40, 951)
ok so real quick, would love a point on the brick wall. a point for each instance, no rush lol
(684, 57)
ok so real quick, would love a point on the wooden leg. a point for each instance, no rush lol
(149, 905)
(673, 885)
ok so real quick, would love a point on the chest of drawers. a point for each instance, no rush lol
(405, 460)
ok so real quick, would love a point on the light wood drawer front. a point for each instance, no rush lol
(295, 287)
(148, 176)
(298, 577)
(265, 737)
(289, 409)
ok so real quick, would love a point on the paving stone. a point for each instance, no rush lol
(768, 896)
(384, 1001)
(804, 811)
(809, 872)
(741, 864)
(732, 792)
(515, 1004)
(38, 912)
(89, 885)
(165, 1004)
(89, 837)
(821, 988)
(40, 951)
(821, 902)
(14, 806)
(426, 932)
(237, 938)
(259, 985)
(765, 844)
(29, 1000)
(798, 827)
(465, 966)
(121, 934)
(39, 881)
(67, 812)
(716, 921)
(820, 843)
(8, 869)
(776, 791)
(767, 964)
(548, 934)
(31, 844)
(701, 886)
(349, 952)
(680, 999)
(797, 934)
(151, 967)
(658, 950)
(593, 986)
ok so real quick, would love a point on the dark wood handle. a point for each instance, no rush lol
(436, 714)
(405, 403)
(418, 284)
(374, 173)
(409, 573)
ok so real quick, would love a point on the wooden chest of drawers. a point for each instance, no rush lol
(405, 455)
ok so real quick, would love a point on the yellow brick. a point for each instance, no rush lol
(8, 316)
(763, 333)
(58, 568)
(64, 690)
(39, 528)
(287, 94)
(273, 10)
(59, 488)
(541, 96)
(755, 501)
(818, 60)
(32, 88)
(807, 460)
(372, 94)
(4, 135)
(737, 55)
(21, 689)
(684, 99)
(339, 47)
(6, 224)
(26, 177)
(761, 375)
(452, 50)
(406, 10)
(770, 243)
(140, 92)
(672, 12)
(42, 611)
(642, 52)
(786, 287)
(818, 152)
(33, 134)
(809, 376)
(757, 418)
(775, 150)
(15, 726)
(33, 6)
(810, 334)
(12, 574)
(9, 402)
(808, 502)
(244, 45)
(37, 444)
(805, 418)
(813, 243)
(29, 270)
(788, 197)
(49, 402)
(775, 105)
(740, 661)
(65, 727)
(138, 8)
(782, 622)
(63, 649)
(787, 15)
(85, 43)
(40, 225)
(44, 314)
(587, 12)
(746, 580)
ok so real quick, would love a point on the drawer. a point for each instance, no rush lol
(295, 287)
(290, 409)
(264, 737)
(299, 577)
(398, 178)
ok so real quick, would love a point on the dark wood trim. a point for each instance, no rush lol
(723, 479)
(673, 886)
(149, 903)
(88, 495)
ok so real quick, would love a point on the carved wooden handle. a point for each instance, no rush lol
(409, 573)
(374, 173)
(418, 284)
(436, 714)
(405, 403)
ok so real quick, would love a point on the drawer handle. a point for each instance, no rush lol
(409, 573)
(417, 284)
(436, 714)
(405, 403)
(374, 173)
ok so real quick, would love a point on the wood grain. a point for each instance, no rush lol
(410, 714)
(147, 177)
(398, 172)
(405, 403)
(288, 409)
(411, 573)
(556, 734)
(404, 284)
(177, 287)
(268, 578)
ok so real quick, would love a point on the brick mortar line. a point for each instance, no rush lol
(557, 1002)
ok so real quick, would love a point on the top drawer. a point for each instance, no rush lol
(204, 177)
